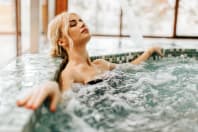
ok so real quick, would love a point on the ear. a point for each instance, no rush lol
(62, 42)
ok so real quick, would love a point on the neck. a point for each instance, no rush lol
(79, 55)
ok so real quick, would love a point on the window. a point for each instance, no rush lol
(7, 16)
(7, 31)
(101, 16)
(188, 18)
(25, 25)
(154, 17)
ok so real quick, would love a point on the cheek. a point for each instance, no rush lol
(74, 34)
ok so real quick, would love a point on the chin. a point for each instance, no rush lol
(87, 38)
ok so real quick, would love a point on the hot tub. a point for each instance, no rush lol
(158, 95)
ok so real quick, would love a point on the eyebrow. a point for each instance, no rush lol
(75, 20)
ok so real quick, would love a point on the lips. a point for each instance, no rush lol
(84, 30)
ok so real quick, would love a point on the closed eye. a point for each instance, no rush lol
(72, 23)
(80, 20)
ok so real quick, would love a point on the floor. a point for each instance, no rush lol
(97, 46)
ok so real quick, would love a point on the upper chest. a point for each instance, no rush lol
(86, 73)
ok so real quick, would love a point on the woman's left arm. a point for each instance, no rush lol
(110, 66)
(143, 57)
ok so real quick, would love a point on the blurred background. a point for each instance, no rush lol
(23, 23)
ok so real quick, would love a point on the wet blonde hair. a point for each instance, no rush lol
(58, 28)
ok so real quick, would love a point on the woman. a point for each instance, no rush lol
(69, 35)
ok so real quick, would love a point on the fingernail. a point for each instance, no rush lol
(33, 107)
(53, 109)
(28, 106)
(18, 102)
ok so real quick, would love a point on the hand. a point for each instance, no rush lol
(36, 97)
(157, 50)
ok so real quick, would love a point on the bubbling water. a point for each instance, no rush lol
(154, 96)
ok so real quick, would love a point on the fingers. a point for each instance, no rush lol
(159, 52)
(38, 96)
(31, 102)
(22, 102)
(54, 101)
(40, 99)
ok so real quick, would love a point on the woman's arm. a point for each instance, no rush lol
(147, 54)
(49, 89)
(141, 58)
(36, 97)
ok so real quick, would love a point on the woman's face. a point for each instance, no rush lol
(77, 30)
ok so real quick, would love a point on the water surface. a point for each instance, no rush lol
(158, 96)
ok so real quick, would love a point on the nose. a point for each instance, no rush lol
(82, 24)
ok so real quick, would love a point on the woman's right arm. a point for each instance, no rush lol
(38, 95)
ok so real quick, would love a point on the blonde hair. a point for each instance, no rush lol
(57, 28)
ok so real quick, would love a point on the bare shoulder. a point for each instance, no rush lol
(66, 79)
(68, 73)
(105, 63)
